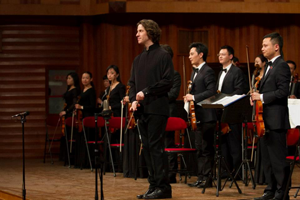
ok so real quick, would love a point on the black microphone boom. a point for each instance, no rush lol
(21, 114)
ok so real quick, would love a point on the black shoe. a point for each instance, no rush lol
(195, 184)
(266, 196)
(142, 196)
(159, 194)
(202, 184)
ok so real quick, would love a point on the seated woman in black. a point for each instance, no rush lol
(116, 91)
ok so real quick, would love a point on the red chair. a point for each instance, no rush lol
(89, 122)
(52, 121)
(178, 124)
(293, 139)
(113, 124)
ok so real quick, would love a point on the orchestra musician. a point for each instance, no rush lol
(116, 90)
(70, 97)
(273, 92)
(170, 136)
(102, 95)
(294, 86)
(203, 86)
(150, 81)
(231, 81)
(86, 104)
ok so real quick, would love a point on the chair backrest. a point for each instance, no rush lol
(52, 120)
(68, 121)
(115, 122)
(292, 136)
(175, 124)
(90, 122)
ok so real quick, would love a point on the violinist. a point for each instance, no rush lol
(203, 86)
(231, 81)
(294, 85)
(116, 91)
(273, 93)
(70, 96)
(259, 63)
(170, 136)
(103, 94)
(87, 102)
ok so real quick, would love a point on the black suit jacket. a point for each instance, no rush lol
(234, 81)
(203, 87)
(173, 94)
(275, 89)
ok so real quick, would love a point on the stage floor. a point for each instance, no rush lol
(46, 181)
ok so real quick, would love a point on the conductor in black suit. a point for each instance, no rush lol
(273, 92)
(203, 86)
(150, 81)
(231, 81)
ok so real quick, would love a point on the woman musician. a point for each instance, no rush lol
(70, 97)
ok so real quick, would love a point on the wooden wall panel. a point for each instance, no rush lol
(116, 42)
(28, 51)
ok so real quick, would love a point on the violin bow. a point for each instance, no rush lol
(121, 127)
(72, 128)
(54, 134)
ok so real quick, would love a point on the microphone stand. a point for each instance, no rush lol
(23, 120)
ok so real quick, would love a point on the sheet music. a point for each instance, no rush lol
(294, 110)
(228, 99)
(186, 107)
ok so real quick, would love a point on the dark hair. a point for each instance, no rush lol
(292, 62)
(235, 59)
(229, 49)
(114, 67)
(75, 80)
(262, 58)
(91, 76)
(168, 49)
(105, 77)
(200, 48)
(152, 29)
(276, 39)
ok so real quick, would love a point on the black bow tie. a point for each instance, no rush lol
(269, 63)
(225, 70)
(195, 70)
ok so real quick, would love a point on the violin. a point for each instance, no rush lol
(257, 114)
(130, 118)
(192, 118)
(63, 122)
(78, 121)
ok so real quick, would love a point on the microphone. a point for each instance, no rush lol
(21, 114)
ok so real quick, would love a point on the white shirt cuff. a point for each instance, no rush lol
(262, 98)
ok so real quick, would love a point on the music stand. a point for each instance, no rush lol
(229, 111)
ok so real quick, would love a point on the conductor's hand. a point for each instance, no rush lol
(134, 106)
(140, 96)
(255, 96)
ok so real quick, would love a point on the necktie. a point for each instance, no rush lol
(195, 70)
(225, 70)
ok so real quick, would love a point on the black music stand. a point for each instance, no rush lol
(228, 112)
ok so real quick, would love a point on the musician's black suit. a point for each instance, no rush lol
(231, 143)
(275, 89)
(203, 87)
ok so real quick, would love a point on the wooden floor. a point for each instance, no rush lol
(46, 181)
